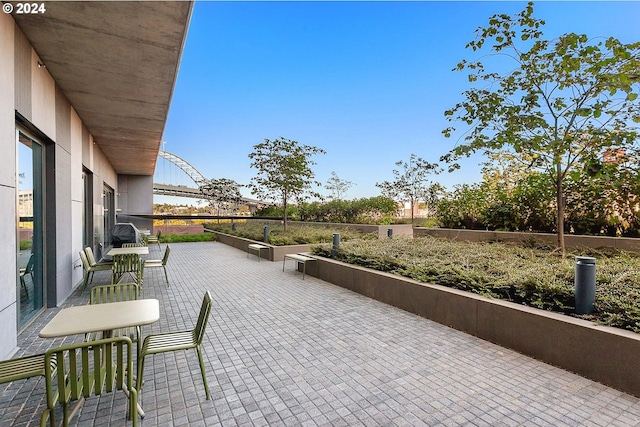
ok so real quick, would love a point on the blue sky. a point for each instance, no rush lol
(366, 81)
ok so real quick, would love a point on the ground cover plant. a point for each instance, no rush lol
(176, 238)
(295, 234)
(536, 277)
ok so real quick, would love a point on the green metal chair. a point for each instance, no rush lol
(22, 368)
(27, 270)
(115, 293)
(154, 239)
(92, 259)
(127, 264)
(89, 270)
(181, 340)
(86, 369)
(153, 263)
(132, 245)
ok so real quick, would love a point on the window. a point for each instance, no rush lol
(108, 200)
(30, 222)
(87, 210)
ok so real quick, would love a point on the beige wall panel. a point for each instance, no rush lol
(43, 98)
(75, 145)
(76, 242)
(8, 278)
(8, 259)
(7, 102)
(63, 120)
(87, 150)
(22, 69)
(135, 194)
(8, 335)
(103, 168)
(77, 196)
(64, 225)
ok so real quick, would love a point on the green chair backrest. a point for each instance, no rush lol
(89, 253)
(114, 293)
(29, 268)
(203, 317)
(131, 245)
(128, 263)
(125, 263)
(86, 369)
(22, 368)
(165, 258)
(85, 261)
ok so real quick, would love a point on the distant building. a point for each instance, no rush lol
(614, 156)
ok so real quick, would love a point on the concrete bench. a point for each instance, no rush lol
(299, 258)
(257, 247)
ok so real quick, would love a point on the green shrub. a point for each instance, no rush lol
(296, 234)
(175, 238)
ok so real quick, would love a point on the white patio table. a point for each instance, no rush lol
(83, 319)
(140, 250)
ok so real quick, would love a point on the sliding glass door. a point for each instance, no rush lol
(30, 222)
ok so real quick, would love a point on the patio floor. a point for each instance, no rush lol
(282, 351)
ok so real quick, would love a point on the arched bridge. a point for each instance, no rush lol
(194, 175)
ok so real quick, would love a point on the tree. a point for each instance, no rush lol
(284, 171)
(222, 193)
(562, 104)
(410, 183)
(337, 186)
(432, 196)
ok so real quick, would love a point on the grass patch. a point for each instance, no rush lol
(296, 234)
(177, 238)
(526, 275)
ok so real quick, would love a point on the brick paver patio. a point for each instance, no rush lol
(281, 351)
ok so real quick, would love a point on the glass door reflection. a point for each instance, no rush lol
(30, 288)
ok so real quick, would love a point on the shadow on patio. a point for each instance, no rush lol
(288, 352)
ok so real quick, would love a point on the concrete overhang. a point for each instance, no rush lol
(117, 63)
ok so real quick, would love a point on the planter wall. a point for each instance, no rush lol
(608, 355)
(626, 243)
(276, 253)
(380, 230)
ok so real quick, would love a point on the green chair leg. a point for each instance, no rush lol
(202, 371)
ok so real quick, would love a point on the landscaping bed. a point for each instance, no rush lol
(536, 277)
(296, 234)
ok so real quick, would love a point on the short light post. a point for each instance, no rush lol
(336, 245)
(585, 282)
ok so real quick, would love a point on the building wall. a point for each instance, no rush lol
(135, 197)
(28, 89)
(8, 256)
(135, 194)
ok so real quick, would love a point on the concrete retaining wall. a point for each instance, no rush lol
(626, 243)
(608, 355)
(276, 253)
(379, 230)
